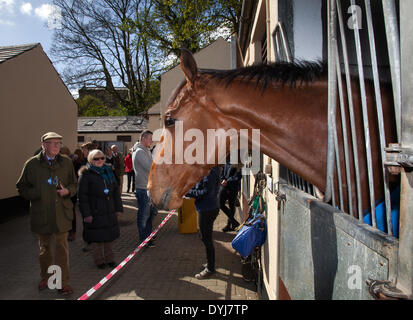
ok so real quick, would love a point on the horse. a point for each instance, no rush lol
(287, 102)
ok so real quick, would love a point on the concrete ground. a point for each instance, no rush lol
(165, 272)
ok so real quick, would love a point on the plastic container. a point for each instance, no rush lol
(188, 217)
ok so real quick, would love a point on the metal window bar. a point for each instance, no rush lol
(393, 43)
(345, 139)
(335, 84)
(379, 113)
(332, 96)
(367, 140)
(351, 110)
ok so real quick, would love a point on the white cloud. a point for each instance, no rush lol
(44, 11)
(26, 8)
(75, 93)
(7, 5)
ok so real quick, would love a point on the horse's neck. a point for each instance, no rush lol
(292, 123)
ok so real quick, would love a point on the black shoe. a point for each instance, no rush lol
(86, 247)
(227, 228)
(151, 244)
(112, 264)
(101, 266)
(204, 274)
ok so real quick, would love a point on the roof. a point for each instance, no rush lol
(111, 124)
(155, 109)
(101, 88)
(9, 52)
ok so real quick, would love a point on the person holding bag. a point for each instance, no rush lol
(100, 205)
(205, 193)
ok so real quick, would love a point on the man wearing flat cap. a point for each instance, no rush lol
(48, 181)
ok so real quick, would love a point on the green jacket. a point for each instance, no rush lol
(49, 213)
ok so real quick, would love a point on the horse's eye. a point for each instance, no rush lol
(169, 121)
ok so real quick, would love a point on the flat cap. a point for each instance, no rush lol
(51, 135)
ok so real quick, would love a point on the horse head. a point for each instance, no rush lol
(179, 162)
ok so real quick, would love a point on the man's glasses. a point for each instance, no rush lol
(97, 159)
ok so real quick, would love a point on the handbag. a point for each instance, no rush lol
(252, 234)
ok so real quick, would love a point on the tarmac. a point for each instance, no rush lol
(164, 272)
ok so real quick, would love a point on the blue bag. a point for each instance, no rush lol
(252, 234)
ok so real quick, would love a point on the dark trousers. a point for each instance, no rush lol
(230, 195)
(131, 178)
(206, 223)
(102, 252)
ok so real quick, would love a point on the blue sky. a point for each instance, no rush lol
(28, 21)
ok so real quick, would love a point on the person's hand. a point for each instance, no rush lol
(224, 183)
(117, 214)
(88, 219)
(63, 191)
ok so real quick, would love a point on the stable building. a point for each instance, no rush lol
(123, 131)
(315, 248)
(33, 100)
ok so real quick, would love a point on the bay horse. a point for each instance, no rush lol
(287, 102)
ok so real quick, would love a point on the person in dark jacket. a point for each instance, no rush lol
(205, 193)
(48, 181)
(230, 185)
(100, 205)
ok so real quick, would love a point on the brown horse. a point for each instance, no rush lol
(286, 102)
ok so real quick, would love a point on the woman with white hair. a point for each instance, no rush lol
(100, 205)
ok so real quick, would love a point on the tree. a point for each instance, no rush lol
(90, 106)
(109, 43)
(192, 24)
(99, 43)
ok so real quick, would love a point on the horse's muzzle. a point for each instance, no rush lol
(163, 202)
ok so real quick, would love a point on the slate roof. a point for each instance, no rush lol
(9, 52)
(131, 124)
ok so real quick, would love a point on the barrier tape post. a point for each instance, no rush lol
(96, 287)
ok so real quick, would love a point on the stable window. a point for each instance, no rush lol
(124, 138)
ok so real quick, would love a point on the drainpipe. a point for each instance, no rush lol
(278, 211)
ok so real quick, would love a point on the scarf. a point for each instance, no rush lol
(106, 173)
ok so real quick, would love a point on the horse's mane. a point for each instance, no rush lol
(283, 73)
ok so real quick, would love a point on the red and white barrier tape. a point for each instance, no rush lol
(124, 262)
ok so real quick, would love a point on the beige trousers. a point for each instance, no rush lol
(59, 257)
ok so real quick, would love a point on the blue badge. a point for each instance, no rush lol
(49, 181)
(106, 191)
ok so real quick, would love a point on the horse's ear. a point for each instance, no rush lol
(188, 65)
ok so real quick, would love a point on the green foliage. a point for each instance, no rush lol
(192, 24)
(108, 43)
(89, 106)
